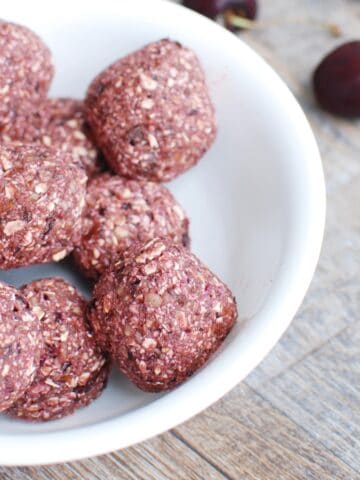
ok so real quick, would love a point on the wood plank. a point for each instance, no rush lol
(322, 394)
(251, 440)
(164, 457)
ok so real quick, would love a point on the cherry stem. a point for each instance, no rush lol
(239, 22)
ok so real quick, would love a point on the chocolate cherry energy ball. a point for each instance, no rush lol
(26, 71)
(42, 196)
(119, 212)
(59, 123)
(20, 345)
(72, 370)
(161, 313)
(151, 113)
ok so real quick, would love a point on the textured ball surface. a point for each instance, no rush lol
(72, 369)
(20, 345)
(119, 212)
(42, 196)
(26, 71)
(151, 112)
(161, 314)
(58, 123)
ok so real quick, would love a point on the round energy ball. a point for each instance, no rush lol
(59, 123)
(42, 196)
(26, 71)
(119, 212)
(72, 370)
(161, 314)
(20, 345)
(151, 112)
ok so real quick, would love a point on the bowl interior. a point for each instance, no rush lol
(256, 204)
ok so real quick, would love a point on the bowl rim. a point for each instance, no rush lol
(105, 436)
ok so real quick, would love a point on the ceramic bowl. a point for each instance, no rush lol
(256, 203)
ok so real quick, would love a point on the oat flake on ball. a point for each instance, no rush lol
(72, 370)
(26, 71)
(161, 313)
(151, 113)
(119, 212)
(42, 196)
(20, 345)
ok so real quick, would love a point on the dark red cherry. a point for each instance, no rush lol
(210, 8)
(337, 80)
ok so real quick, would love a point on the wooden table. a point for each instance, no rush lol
(298, 415)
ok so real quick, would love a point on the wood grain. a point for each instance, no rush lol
(322, 394)
(165, 457)
(250, 439)
(297, 416)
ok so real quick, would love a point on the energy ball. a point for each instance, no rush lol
(59, 123)
(119, 212)
(26, 71)
(161, 314)
(42, 196)
(72, 370)
(20, 345)
(151, 112)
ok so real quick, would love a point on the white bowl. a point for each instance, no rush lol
(256, 202)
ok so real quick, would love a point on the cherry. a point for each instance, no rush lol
(337, 80)
(233, 10)
(209, 8)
